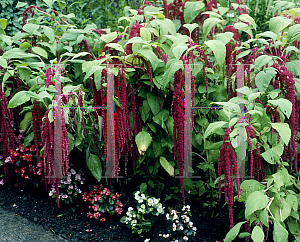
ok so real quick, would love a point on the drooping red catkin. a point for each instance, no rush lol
(178, 129)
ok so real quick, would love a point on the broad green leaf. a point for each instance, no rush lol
(255, 201)
(21, 4)
(293, 66)
(263, 78)
(149, 55)
(280, 234)
(248, 19)
(292, 201)
(24, 72)
(281, 178)
(166, 165)
(224, 37)
(294, 33)
(153, 103)
(143, 187)
(244, 235)
(192, 10)
(231, 235)
(18, 99)
(31, 28)
(94, 165)
(257, 234)
(16, 53)
(263, 217)
(172, 66)
(29, 138)
(179, 50)
(143, 140)
(219, 50)
(26, 121)
(284, 131)
(292, 48)
(273, 155)
(71, 141)
(268, 34)
(3, 62)
(3, 23)
(261, 61)
(49, 32)
(40, 51)
(209, 24)
(157, 146)
(213, 127)
(48, 2)
(161, 118)
(116, 46)
(279, 23)
(284, 105)
(191, 27)
(145, 34)
(249, 186)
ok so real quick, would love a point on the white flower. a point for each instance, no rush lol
(133, 222)
(180, 227)
(191, 224)
(167, 216)
(130, 209)
(175, 217)
(140, 200)
(73, 172)
(173, 212)
(146, 240)
(143, 206)
(160, 210)
(185, 238)
(155, 201)
(150, 201)
(194, 228)
(230, 15)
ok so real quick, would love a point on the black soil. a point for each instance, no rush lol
(34, 204)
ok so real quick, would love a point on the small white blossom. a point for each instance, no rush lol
(185, 238)
(146, 240)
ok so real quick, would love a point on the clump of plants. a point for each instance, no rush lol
(181, 227)
(102, 203)
(70, 190)
(142, 219)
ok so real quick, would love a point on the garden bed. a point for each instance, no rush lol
(34, 204)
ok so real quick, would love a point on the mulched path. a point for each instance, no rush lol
(43, 217)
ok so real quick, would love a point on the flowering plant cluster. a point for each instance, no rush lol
(182, 228)
(23, 159)
(102, 202)
(148, 208)
(69, 190)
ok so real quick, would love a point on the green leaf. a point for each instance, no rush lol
(24, 72)
(284, 131)
(244, 235)
(153, 103)
(21, 4)
(294, 33)
(40, 51)
(178, 51)
(28, 139)
(224, 37)
(16, 53)
(209, 24)
(257, 234)
(145, 34)
(94, 166)
(284, 105)
(161, 118)
(3, 23)
(49, 32)
(149, 55)
(248, 19)
(31, 28)
(109, 37)
(268, 34)
(49, 3)
(279, 23)
(255, 201)
(280, 234)
(263, 216)
(191, 10)
(143, 141)
(3, 62)
(71, 141)
(18, 99)
(231, 235)
(143, 187)
(263, 78)
(219, 50)
(116, 46)
(273, 155)
(191, 27)
(213, 127)
(166, 165)
(171, 67)
(26, 121)
(293, 66)
(261, 61)
(281, 178)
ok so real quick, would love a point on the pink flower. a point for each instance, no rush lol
(95, 207)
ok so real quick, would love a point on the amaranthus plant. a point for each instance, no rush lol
(69, 190)
(182, 228)
(102, 202)
(142, 220)
(1, 171)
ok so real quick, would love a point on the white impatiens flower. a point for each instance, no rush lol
(191, 224)
(160, 210)
(150, 202)
(146, 240)
(130, 209)
(143, 206)
(180, 227)
(168, 216)
(185, 238)
(194, 228)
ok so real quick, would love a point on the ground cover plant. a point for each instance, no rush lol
(240, 81)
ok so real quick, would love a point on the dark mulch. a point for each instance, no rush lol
(34, 204)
